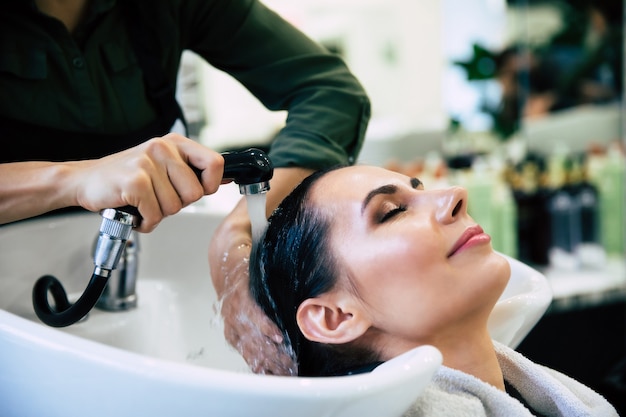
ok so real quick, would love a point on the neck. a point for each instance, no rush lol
(475, 356)
(69, 12)
(465, 349)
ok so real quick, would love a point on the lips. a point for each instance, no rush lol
(472, 235)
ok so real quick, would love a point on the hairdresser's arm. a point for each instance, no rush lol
(155, 177)
(328, 111)
(247, 328)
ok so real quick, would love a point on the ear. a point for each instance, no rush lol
(326, 319)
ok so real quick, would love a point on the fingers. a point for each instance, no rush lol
(179, 159)
(246, 327)
(209, 163)
(255, 336)
(173, 182)
(264, 352)
(158, 177)
(138, 192)
(172, 163)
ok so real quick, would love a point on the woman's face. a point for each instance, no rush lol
(423, 270)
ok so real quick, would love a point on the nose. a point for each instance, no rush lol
(451, 204)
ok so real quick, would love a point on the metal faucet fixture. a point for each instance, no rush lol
(250, 169)
(119, 293)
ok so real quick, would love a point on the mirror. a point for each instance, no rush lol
(530, 69)
(555, 78)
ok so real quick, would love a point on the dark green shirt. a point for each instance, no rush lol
(90, 81)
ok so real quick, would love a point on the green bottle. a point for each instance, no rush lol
(608, 176)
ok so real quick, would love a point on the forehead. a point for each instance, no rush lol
(352, 183)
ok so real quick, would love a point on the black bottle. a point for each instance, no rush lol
(533, 222)
(589, 251)
(564, 213)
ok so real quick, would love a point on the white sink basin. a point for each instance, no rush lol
(525, 299)
(168, 356)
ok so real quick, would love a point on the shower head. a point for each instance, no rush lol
(250, 169)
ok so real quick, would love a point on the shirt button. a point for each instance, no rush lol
(78, 62)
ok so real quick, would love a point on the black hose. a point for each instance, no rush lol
(63, 313)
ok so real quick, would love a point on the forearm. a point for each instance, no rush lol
(328, 109)
(29, 189)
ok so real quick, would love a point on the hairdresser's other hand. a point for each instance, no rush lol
(255, 336)
(246, 327)
(155, 176)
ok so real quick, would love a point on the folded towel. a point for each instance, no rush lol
(455, 393)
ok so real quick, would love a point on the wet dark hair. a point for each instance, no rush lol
(291, 263)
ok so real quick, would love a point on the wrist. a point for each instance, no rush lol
(20, 181)
(61, 180)
(282, 183)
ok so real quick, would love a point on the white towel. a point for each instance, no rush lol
(455, 393)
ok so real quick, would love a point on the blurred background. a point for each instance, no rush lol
(520, 101)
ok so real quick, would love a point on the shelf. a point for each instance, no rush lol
(586, 287)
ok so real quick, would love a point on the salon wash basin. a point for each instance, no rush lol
(168, 356)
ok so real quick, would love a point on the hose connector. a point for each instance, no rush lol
(115, 230)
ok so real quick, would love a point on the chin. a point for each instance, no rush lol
(501, 267)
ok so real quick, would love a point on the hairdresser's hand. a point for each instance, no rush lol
(246, 327)
(156, 177)
(254, 335)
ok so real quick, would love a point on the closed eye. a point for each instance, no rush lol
(392, 213)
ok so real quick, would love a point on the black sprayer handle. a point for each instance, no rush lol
(247, 167)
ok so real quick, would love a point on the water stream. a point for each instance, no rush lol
(256, 212)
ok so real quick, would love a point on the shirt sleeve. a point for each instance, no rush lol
(327, 108)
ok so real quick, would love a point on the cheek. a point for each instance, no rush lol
(406, 290)
(393, 268)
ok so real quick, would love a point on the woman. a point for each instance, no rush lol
(360, 264)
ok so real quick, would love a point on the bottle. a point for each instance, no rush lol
(532, 220)
(505, 218)
(542, 227)
(480, 184)
(590, 251)
(608, 175)
(564, 213)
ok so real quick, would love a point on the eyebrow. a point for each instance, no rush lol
(386, 189)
